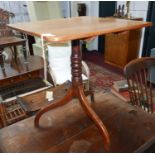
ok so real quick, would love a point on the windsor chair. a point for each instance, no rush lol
(138, 74)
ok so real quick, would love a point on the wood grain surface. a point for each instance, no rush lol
(11, 41)
(67, 129)
(77, 27)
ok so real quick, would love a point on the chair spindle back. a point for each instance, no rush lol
(138, 74)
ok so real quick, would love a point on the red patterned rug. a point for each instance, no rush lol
(101, 79)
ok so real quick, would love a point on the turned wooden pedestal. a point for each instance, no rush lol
(76, 90)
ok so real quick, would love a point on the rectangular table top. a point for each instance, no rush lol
(77, 27)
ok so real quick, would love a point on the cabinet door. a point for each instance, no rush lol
(116, 48)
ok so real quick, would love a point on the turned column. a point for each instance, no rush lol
(76, 66)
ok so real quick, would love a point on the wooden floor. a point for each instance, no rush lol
(68, 129)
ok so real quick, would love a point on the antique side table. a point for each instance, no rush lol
(74, 29)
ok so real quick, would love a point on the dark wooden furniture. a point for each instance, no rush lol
(10, 113)
(138, 74)
(75, 29)
(121, 48)
(15, 74)
(16, 81)
(14, 78)
(68, 129)
(12, 42)
(8, 39)
(23, 107)
(4, 19)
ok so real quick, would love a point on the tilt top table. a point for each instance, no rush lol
(74, 29)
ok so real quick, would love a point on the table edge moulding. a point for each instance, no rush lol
(73, 29)
(89, 27)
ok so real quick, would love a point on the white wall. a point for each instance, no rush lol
(138, 9)
(19, 8)
(44, 10)
(92, 10)
(65, 8)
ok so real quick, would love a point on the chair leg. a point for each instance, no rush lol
(91, 93)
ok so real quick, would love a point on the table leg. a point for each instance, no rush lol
(98, 122)
(56, 104)
(76, 90)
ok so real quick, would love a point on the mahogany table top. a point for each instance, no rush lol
(77, 27)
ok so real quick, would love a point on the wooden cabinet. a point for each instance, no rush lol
(120, 48)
